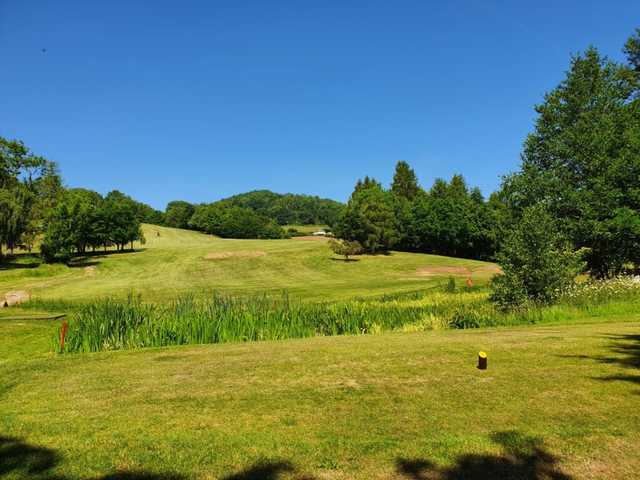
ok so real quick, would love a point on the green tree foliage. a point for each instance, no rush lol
(537, 261)
(82, 219)
(29, 185)
(369, 218)
(345, 248)
(405, 183)
(143, 212)
(632, 50)
(230, 221)
(583, 159)
(178, 214)
(289, 208)
(451, 220)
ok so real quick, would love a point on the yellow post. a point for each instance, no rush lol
(482, 361)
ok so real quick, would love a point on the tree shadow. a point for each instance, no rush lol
(272, 470)
(18, 457)
(262, 471)
(626, 348)
(345, 259)
(82, 263)
(141, 476)
(29, 260)
(524, 458)
(23, 460)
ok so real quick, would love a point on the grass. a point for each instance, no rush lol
(559, 400)
(307, 229)
(174, 263)
(112, 324)
(555, 398)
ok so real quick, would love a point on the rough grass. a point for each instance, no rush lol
(404, 405)
(175, 263)
(112, 324)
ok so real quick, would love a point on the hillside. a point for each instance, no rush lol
(394, 406)
(289, 208)
(174, 261)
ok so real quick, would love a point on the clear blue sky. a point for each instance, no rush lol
(198, 100)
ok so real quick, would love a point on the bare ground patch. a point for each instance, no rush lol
(459, 271)
(241, 253)
(488, 269)
(89, 271)
(14, 298)
(433, 271)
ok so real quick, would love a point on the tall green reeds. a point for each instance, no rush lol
(111, 324)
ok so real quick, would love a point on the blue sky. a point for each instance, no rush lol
(198, 100)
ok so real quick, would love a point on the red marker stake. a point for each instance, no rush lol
(63, 334)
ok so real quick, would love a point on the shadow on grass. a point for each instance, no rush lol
(17, 457)
(345, 259)
(524, 458)
(20, 261)
(262, 471)
(626, 350)
(22, 460)
(23, 261)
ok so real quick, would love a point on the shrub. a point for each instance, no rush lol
(450, 287)
(345, 248)
(537, 262)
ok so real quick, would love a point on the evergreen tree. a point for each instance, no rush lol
(369, 218)
(405, 182)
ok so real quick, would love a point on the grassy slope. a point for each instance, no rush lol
(344, 407)
(174, 262)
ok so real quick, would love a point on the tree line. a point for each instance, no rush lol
(35, 207)
(256, 214)
(83, 220)
(574, 204)
(448, 219)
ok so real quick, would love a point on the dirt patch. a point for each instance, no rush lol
(14, 298)
(488, 269)
(89, 271)
(242, 254)
(311, 237)
(433, 271)
(456, 271)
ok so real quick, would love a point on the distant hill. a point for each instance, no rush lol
(288, 208)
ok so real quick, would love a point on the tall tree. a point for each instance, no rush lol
(26, 192)
(369, 218)
(583, 160)
(405, 183)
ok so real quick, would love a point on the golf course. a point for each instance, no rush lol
(320, 240)
(174, 261)
(407, 403)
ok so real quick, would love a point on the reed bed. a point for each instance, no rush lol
(114, 324)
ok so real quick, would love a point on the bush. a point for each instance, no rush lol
(345, 247)
(537, 262)
(450, 287)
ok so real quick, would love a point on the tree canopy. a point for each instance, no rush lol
(583, 160)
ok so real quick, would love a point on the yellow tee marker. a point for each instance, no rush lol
(482, 361)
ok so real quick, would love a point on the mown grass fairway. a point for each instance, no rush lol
(179, 261)
(555, 398)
